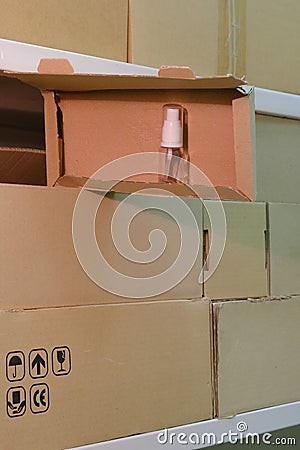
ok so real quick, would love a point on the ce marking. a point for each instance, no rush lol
(39, 398)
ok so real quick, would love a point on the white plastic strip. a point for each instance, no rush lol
(211, 432)
(21, 57)
(277, 103)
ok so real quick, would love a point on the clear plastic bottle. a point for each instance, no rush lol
(176, 159)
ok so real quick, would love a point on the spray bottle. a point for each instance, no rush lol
(172, 144)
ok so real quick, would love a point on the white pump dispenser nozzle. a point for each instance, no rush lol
(172, 129)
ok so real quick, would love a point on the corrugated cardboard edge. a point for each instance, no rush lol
(241, 109)
(53, 142)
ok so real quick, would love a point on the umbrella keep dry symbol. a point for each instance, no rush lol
(14, 362)
(15, 366)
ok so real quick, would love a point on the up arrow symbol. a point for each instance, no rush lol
(38, 362)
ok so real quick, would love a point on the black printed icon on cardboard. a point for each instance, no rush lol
(16, 401)
(61, 361)
(39, 398)
(15, 366)
(38, 363)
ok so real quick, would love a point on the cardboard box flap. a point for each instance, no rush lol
(95, 82)
(128, 187)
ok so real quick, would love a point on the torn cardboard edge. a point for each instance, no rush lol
(221, 302)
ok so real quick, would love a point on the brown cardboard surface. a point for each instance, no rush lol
(277, 159)
(272, 58)
(284, 220)
(257, 354)
(134, 368)
(94, 27)
(22, 166)
(38, 263)
(254, 39)
(242, 270)
(177, 33)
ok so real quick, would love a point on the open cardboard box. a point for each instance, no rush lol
(91, 120)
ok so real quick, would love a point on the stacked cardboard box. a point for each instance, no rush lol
(247, 38)
(92, 27)
(103, 365)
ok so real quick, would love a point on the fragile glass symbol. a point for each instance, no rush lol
(61, 357)
(15, 361)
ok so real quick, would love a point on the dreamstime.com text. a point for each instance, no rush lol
(240, 435)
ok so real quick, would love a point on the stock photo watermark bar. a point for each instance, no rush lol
(238, 436)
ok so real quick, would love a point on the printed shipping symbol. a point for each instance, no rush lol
(15, 366)
(14, 362)
(16, 401)
(39, 398)
(37, 363)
